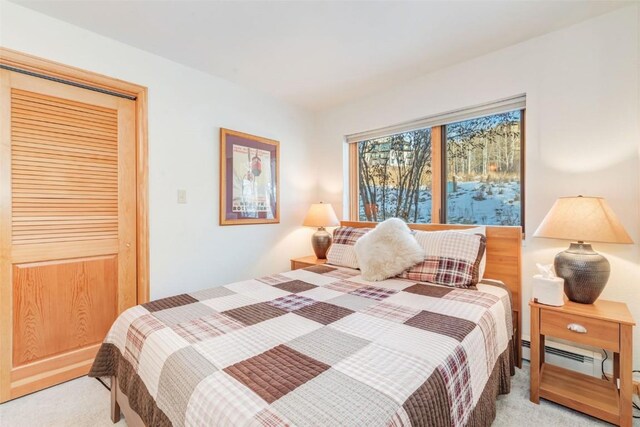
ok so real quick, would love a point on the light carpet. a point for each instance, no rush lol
(85, 402)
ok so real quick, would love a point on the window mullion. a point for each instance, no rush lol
(436, 174)
(354, 182)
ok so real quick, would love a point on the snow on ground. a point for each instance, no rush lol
(424, 207)
(472, 202)
(477, 202)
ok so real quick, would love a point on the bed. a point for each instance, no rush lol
(321, 346)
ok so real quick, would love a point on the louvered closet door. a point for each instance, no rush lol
(68, 230)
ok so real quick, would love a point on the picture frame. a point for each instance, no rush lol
(249, 179)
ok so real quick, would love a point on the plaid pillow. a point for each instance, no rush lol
(452, 258)
(342, 252)
(481, 229)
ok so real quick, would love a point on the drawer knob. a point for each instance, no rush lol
(577, 328)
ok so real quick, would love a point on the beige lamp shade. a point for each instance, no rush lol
(584, 219)
(321, 215)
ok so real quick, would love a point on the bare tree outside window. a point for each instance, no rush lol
(481, 173)
(483, 170)
(395, 177)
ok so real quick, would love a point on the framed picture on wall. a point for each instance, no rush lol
(249, 179)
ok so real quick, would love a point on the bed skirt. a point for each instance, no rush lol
(431, 410)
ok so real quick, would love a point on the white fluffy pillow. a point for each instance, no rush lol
(387, 250)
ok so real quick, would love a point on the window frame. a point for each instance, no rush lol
(438, 173)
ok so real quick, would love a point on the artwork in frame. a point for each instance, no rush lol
(249, 177)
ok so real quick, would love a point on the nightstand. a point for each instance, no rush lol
(306, 261)
(604, 324)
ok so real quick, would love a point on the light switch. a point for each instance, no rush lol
(182, 196)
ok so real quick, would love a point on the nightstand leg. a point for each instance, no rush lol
(625, 369)
(536, 360)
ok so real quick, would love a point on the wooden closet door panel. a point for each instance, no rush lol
(62, 306)
(68, 230)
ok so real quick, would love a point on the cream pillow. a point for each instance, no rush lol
(481, 229)
(387, 250)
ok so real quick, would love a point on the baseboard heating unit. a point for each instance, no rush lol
(577, 359)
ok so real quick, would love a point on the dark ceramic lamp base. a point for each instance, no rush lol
(321, 240)
(585, 272)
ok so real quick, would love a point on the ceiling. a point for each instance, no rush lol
(319, 54)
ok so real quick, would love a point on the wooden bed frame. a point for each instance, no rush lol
(504, 256)
(120, 401)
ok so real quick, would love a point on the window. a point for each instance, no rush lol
(483, 170)
(395, 177)
(463, 167)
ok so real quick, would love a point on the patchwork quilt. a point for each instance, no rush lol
(315, 347)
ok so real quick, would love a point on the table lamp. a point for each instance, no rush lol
(582, 219)
(321, 215)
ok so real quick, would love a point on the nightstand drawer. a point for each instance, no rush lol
(589, 331)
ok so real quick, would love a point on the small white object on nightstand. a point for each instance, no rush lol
(547, 288)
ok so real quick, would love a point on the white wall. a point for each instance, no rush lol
(186, 109)
(582, 131)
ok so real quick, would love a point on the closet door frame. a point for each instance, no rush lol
(39, 66)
